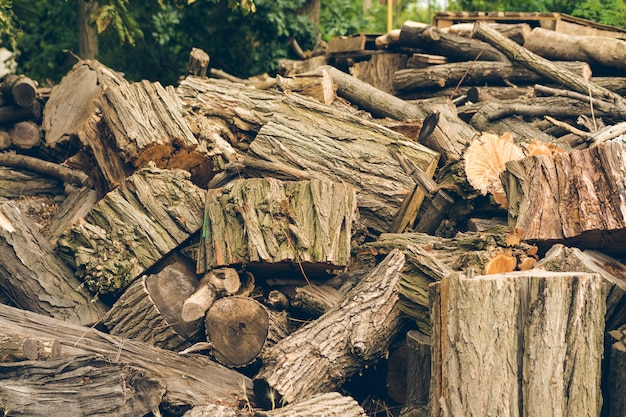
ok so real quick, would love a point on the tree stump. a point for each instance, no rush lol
(133, 227)
(322, 354)
(267, 221)
(498, 340)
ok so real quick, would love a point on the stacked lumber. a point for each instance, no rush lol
(281, 246)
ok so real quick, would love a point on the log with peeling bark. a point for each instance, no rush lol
(497, 340)
(596, 50)
(321, 355)
(265, 221)
(473, 73)
(563, 259)
(615, 400)
(33, 276)
(433, 40)
(429, 259)
(132, 228)
(241, 330)
(81, 385)
(149, 310)
(574, 198)
(184, 377)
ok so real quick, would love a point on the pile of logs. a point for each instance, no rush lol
(275, 247)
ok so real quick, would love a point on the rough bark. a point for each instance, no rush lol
(321, 405)
(574, 198)
(20, 348)
(184, 377)
(494, 348)
(379, 69)
(133, 227)
(321, 355)
(267, 221)
(317, 84)
(198, 63)
(418, 368)
(34, 278)
(82, 385)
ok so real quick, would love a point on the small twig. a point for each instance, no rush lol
(568, 127)
(469, 68)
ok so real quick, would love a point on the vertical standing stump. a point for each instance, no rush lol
(517, 344)
(265, 220)
(133, 227)
(323, 354)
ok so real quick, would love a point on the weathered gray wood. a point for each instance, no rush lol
(133, 227)
(19, 348)
(76, 204)
(34, 278)
(184, 377)
(15, 183)
(77, 386)
(322, 405)
(267, 221)
(322, 354)
(498, 339)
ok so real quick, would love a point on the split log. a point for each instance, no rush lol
(197, 304)
(544, 67)
(33, 276)
(574, 198)
(82, 385)
(133, 227)
(153, 130)
(563, 259)
(19, 348)
(498, 339)
(596, 50)
(330, 404)
(379, 69)
(340, 147)
(474, 73)
(433, 40)
(73, 102)
(417, 374)
(321, 355)
(76, 205)
(149, 310)
(429, 259)
(615, 402)
(318, 85)
(266, 221)
(241, 330)
(20, 89)
(184, 377)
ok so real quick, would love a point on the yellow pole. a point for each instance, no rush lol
(389, 15)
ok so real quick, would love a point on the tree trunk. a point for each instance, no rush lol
(34, 278)
(498, 340)
(321, 355)
(87, 33)
(184, 377)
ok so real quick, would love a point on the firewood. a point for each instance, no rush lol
(561, 258)
(288, 67)
(596, 50)
(149, 310)
(337, 344)
(77, 385)
(198, 63)
(433, 40)
(17, 182)
(481, 363)
(517, 32)
(196, 305)
(76, 204)
(132, 228)
(10, 114)
(417, 374)
(184, 377)
(66, 175)
(321, 405)
(35, 278)
(378, 70)
(316, 300)
(241, 330)
(19, 348)
(25, 135)
(616, 378)
(317, 84)
(20, 89)
(571, 198)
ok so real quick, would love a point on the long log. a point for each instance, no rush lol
(321, 355)
(184, 377)
(497, 342)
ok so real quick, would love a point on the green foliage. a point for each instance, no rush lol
(609, 12)
(115, 14)
(341, 17)
(9, 33)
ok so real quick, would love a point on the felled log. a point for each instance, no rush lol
(146, 123)
(10, 114)
(573, 198)
(596, 50)
(133, 227)
(241, 330)
(317, 84)
(63, 173)
(379, 69)
(34, 277)
(321, 405)
(473, 73)
(17, 182)
(498, 339)
(25, 135)
(459, 48)
(20, 348)
(184, 377)
(429, 259)
(267, 221)
(81, 385)
(517, 32)
(20, 89)
(322, 354)
(615, 402)
(150, 309)
(563, 259)
(340, 147)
